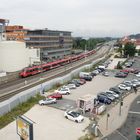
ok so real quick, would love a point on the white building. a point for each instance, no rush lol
(14, 56)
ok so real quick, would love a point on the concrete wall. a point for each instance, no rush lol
(7, 105)
(14, 56)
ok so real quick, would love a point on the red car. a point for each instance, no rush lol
(128, 70)
(55, 95)
(83, 81)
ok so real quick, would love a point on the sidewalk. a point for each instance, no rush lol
(115, 120)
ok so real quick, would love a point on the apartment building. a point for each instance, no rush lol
(53, 44)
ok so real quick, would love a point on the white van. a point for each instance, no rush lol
(84, 74)
(101, 67)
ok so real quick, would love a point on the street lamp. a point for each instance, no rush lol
(121, 104)
(108, 115)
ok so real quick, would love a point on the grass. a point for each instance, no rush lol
(19, 110)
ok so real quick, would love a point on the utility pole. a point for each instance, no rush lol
(108, 115)
(41, 57)
(121, 104)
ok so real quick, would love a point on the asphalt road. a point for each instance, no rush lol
(128, 129)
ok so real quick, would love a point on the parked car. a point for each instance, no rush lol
(83, 80)
(121, 75)
(136, 71)
(105, 73)
(129, 83)
(74, 82)
(63, 91)
(78, 81)
(128, 64)
(113, 93)
(138, 75)
(74, 116)
(136, 82)
(88, 78)
(103, 99)
(124, 87)
(47, 101)
(55, 95)
(99, 70)
(95, 72)
(70, 86)
(116, 90)
(111, 97)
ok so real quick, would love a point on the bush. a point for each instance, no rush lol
(119, 66)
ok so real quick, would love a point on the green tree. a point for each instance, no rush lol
(120, 49)
(129, 49)
(119, 66)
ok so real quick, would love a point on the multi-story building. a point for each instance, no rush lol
(3, 23)
(15, 33)
(53, 44)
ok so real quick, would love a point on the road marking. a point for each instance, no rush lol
(132, 112)
(121, 135)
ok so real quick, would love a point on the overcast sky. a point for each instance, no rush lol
(92, 18)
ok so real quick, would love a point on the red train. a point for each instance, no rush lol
(51, 65)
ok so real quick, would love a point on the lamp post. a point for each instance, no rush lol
(121, 104)
(108, 115)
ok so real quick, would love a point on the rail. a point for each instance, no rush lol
(63, 72)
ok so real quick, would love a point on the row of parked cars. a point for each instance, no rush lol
(64, 90)
(115, 92)
(129, 63)
(124, 73)
(73, 84)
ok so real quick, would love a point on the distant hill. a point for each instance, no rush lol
(137, 36)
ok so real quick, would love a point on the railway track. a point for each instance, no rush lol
(61, 71)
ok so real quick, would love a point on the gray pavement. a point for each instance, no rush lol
(128, 130)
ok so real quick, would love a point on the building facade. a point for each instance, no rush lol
(3, 23)
(15, 33)
(53, 44)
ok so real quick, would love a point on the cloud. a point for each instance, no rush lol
(82, 17)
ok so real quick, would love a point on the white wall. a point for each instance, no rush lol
(13, 56)
(34, 56)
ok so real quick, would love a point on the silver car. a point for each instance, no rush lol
(47, 101)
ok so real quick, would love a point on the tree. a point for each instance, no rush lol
(129, 49)
(120, 49)
(119, 66)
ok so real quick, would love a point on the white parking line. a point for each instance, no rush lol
(133, 112)
(121, 135)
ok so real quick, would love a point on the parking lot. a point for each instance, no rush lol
(50, 122)
(98, 84)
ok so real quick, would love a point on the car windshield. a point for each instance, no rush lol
(75, 114)
(48, 99)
